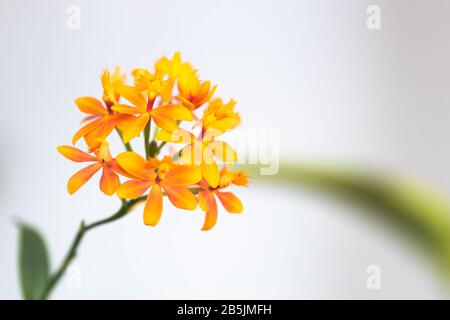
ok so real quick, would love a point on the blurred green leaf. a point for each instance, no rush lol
(34, 264)
(401, 201)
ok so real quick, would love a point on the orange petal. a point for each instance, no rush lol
(122, 108)
(135, 165)
(109, 181)
(81, 177)
(118, 169)
(153, 206)
(211, 212)
(163, 122)
(226, 124)
(135, 128)
(89, 118)
(94, 137)
(230, 202)
(133, 189)
(211, 174)
(87, 128)
(203, 95)
(183, 176)
(107, 128)
(223, 151)
(175, 111)
(203, 200)
(203, 90)
(75, 154)
(180, 197)
(90, 105)
(134, 96)
(210, 170)
(124, 120)
(186, 103)
(240, 179)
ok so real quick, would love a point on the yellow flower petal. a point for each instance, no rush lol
(75, 154)
(223, 151)
(230, 202)
(180, 197)
(134, 96)
(133, 189)
(186, 103)
(90, 105)
(123, 108)
(110, 83)
(175, 111)
(203, 94)
(81, 177)
(135, 165)
(135, 128)
(211, 174)
(163, 122)
(153, 206)
(210, 170)
(203, 89)
(226, 124)
(183, 176)
(170, 67)
(109, 181)
(118, 169)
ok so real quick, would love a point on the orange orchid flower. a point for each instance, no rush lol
(164, 116)
(152, 84)
(163, 166)
(174, 183)
(109, 181)
(193, 93)
(220, 116)
(101, 118)
(110, 83)
(169, 67)
(231, 203)
(202, 151)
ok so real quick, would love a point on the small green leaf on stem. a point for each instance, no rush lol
(34, 266)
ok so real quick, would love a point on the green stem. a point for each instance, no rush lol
(83, 229)
(127, 145)
(155, 132)
(147, 138)
(158, 150)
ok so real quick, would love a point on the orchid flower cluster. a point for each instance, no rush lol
(170, 98)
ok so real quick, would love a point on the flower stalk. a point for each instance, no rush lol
(82, 230)
(147, 139)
